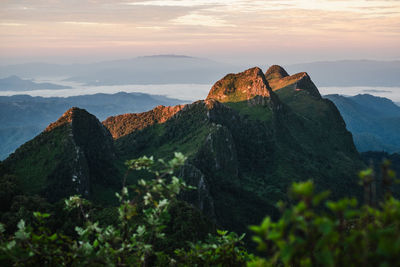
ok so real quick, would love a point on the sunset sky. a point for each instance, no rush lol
(234, 31)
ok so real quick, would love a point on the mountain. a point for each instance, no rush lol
(14, 83)
(186, 69)
(373, 121)
(139, 70)
(246, 143)
(22, 117)
(352, 72)
(74, 155)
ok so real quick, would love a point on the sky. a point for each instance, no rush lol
(235, 31)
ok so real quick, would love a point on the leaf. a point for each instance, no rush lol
(141, 230)
(221, 232)
(21, 225)
(53, 237)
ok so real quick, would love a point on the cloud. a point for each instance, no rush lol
(196, 19)
(9, 24)
(227, 25)
(88, 23)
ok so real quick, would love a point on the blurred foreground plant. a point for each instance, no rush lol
(318, 232)
(136, 238)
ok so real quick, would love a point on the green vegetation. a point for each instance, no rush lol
(344, 235)
(254, 112)
(34, 168)
(241, 156)
(151, 229)
(145, 233)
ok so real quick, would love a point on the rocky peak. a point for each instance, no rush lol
(68, 117)
(240, 87)
(299, 81)
(84, 128)
(124, 124)
(276, 72)
(304, 82)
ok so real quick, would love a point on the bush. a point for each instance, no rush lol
(312, 232)
(318, 232)
(136, 240)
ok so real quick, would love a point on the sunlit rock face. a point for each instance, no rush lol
(122, 125)
(278, 78)
(240, 87)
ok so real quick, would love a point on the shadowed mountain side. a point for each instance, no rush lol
(74, 155)
(373, 121)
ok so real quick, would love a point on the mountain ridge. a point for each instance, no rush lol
(242, 154)
(22, 117)
(374, 121)
(124, 124)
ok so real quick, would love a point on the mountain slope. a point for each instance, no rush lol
(373, 121)
(74, 155)
(122, 125)
(22, 117)
(248, 141)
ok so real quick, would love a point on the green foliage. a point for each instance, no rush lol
(318, 232)
(254, 112)
(136, 240)
(225, 249)
(313, 231)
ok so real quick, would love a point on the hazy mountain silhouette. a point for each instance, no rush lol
(373, 121)
(160, 69)
(14, 83)
(352, 72)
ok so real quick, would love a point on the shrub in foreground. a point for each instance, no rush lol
(311, 232)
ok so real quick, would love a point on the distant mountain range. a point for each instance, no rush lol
(22, 117)
(373, 121)
(161, 69)
(14, 83)
(352, 72)
(168, 69)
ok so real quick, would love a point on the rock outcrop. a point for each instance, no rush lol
(276, 72)
(278, 78)
(240, 87)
